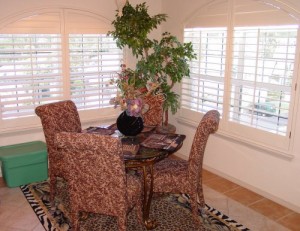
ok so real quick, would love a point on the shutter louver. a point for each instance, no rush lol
(94, 59)
(262, 73)
(204, 90)
(30, 72)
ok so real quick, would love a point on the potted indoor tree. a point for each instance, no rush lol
(164, 61)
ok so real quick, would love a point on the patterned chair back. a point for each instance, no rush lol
(96, 174)
(181, 176)
(154, 115)
(208, 125)
(57, 117)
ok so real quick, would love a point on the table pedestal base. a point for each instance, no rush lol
(148, 193)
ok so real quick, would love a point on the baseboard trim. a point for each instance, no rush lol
(247, 186)
(254, 189)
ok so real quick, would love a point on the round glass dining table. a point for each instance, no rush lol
(140, 154)
(144, 158)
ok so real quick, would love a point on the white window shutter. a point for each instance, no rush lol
(256, 94)
(30, 72)
(204, 90)
(94, 60)
(56, 55)
(262, 74)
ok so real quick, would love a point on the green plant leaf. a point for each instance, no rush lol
(164, 61)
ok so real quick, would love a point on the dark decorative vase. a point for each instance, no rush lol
(129, 125)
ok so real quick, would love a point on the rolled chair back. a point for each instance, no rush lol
(57, 117)
(209, 124)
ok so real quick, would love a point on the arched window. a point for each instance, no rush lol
(53, 55)
(246, 68)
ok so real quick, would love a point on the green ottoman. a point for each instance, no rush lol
(24, 163)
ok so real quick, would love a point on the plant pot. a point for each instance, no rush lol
(129, 125)
(170, 128)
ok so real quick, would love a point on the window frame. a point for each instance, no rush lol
(14, 25)
(255, 138)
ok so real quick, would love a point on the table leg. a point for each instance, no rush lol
(148, 193)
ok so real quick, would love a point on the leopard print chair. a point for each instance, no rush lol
(181, 176)
(154, 115)
(97, 179)
(57, 117)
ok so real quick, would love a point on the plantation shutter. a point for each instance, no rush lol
(30, 72)
(94, 60)
(262, 74)
(256, 92)
(56, 55)
(30, 64)
(204, 89)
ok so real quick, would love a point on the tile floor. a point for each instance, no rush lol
(254, 211)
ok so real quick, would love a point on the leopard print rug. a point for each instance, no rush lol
(172, 212)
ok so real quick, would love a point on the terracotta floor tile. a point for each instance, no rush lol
(221, 185)
(270, 209)
(10, 229)
(215, 199)
(291, 221)
(22, 218)
(11, 197)
(244, 196)
(207, 176)
(252, 219)
(2, 182)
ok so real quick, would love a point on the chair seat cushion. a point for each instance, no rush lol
(170, 175)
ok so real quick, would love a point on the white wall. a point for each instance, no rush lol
(270, 175)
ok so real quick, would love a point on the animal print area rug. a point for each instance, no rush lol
(172, 212)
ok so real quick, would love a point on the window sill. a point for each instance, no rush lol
(284, 154)
(20, 129)
(37, 127)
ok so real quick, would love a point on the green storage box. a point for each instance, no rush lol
(24, 163)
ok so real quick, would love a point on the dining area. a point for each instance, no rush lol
(98, 173)
(81, 168)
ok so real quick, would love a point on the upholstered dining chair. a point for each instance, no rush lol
(181, 176)
(97, 181)
(57, 117)
(154, 115)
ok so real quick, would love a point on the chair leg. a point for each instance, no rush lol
(194, 207)
(74, 220)
(139, 211)
(52, 187)
(200, 196)
(122, 222)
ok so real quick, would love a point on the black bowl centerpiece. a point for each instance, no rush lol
(129, 125)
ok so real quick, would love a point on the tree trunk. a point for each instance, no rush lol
(166, 121)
